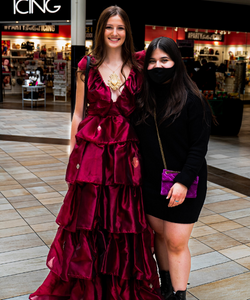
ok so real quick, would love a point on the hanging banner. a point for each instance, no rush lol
(202, 36)
(35, 11)
(32, 28)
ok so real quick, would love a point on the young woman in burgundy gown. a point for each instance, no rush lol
(102, 249)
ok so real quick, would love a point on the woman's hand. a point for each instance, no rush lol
(177, 194)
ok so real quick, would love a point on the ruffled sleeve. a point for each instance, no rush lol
(140, 57)
(83, 63)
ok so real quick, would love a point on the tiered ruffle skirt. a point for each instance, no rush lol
(102, 249)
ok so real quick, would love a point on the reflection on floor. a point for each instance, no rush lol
(32, 189)
(15, 102)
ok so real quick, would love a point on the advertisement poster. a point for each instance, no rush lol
(36, 55)
(5, 48)
(59, 55)
(6, 82)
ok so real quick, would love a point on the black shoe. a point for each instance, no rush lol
(166, 285)
(180, 295)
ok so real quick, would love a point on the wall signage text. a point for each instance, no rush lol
(35, 11)
(32, 28)
(202, 36)
(29, 7)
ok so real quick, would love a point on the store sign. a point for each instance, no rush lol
(89, 32)
(202, 36)
(29, 9)
(32, 28)
(35, 10)
(185, 43)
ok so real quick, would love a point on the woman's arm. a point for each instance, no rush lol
(199, 131)
(198, 135)
(78, 112)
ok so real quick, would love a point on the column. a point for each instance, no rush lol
(1, 77)
(78, 32)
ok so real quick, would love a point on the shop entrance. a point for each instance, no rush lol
(36, 66)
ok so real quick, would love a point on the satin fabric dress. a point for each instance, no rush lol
(102, 249)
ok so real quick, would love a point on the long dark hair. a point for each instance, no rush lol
(181, 84)
(99, 51)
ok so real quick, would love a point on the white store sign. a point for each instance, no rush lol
(30, 7)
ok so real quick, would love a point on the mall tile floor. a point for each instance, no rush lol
(33, 157)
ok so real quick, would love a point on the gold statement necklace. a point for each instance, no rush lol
(114, 81)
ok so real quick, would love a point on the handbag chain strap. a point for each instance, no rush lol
(159, 139)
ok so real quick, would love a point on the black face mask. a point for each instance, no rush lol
(161, 75)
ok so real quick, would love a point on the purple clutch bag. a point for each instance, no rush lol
(168, 180)
(168, 176)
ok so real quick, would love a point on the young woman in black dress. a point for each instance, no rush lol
(183, 118)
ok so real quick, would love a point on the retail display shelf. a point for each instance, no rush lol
(60, 79)
(59, 60)
(18, 57)
(37, 99)
(208, 55)
(32, 91)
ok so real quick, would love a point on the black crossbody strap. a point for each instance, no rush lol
(86, 87)
(159, 140)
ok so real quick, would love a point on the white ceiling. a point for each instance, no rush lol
(244, 2)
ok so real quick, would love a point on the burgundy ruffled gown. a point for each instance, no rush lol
(102, 249)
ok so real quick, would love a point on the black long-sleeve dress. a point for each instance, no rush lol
(185, 145)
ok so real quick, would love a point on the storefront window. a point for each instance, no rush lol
(226, 53)
(38, 55)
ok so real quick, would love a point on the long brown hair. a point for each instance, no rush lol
(99, 51)
(181, 84)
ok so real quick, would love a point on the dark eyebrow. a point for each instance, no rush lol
(161, 57)
(113, 25)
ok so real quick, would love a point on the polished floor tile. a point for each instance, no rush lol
(32, 189)
(236, 252)
(241, 213)
(207, 260)
(236, 287)
(23, 254)
(15, 231)
(22, 241)
(218, 241)
(230, 205)
(214, 273)
(24, 266)
(22, 284)
(225, 226)
(212, 219)
(202, 231)
(197, 248)
(245, 262)
(240, 234)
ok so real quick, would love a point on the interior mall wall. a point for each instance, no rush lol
(192, 14)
